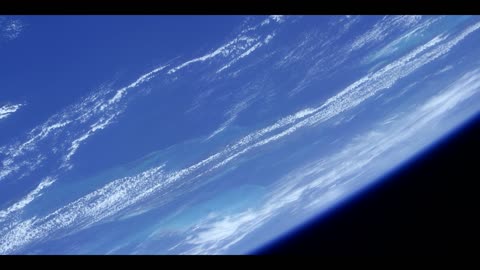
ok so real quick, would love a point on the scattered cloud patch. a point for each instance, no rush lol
(7, 110)
(10, 28)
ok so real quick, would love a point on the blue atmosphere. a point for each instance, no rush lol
(214, 134)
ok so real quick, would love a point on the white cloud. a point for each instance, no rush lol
(418, 32)
(250, 50)
(275, 18)
(85, 211)
(99, 125)
(233, 46)
(232, 114)
(7, 110)
(383, 28)
(238, 48)
(10, 28)
(246, 53)
(142, 79)
(27, 199)
(66, 130)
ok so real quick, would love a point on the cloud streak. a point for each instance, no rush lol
(67, 129)
(241, 46)
(383, 28)
(27, 199)
(7, 110)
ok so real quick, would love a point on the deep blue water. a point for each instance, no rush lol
(214, 134)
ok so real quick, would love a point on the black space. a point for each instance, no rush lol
(426, 208)
(241, 7)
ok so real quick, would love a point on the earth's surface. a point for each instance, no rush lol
(214, 134)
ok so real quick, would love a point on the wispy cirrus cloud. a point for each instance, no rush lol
(67, 130)
(383, 28)
(241, 46)
(331, 54)
(27, 199)
(232, 114)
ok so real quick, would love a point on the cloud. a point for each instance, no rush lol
(7, 110)
(83, 212)
(241, 46)
(27, 199)
(274, 18)
(250, 50)
(232, 114)
(10, 28)
(383, 28)
(233, 46)
(66, 130)
(419, 30)
(246, 53)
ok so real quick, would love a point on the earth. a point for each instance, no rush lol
(214, 134)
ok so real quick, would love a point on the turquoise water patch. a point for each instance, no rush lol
(224, 203)
(175, 157)
(414, 38)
